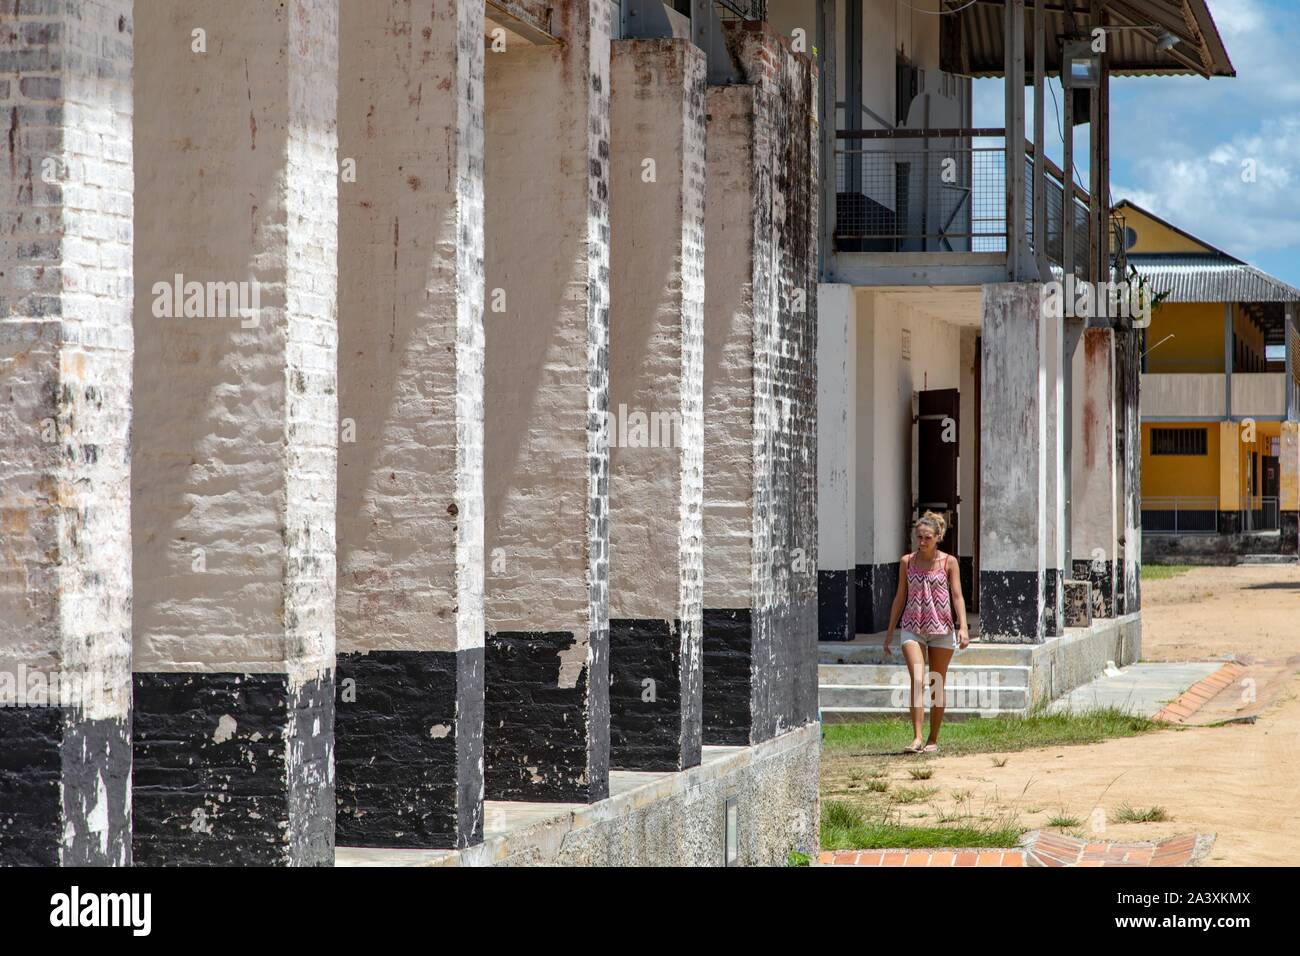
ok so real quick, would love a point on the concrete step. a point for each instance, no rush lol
(893, 697)
(853, 715)
(867, 674)
(867, 649)
(1267, 559)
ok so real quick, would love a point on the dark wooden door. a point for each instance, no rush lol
(1272, 474)
(938, 443)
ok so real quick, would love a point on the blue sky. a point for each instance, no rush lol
(1179, 143)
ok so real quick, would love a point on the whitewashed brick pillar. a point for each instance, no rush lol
(656, 400)
(1128, 461)
(760, 381)
(837, 426)
(546, 456)
(65, 418)
(409, 721)
(1093, 510)
(1015, 457)
(235, 432)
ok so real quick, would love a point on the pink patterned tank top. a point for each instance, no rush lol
(929, 606)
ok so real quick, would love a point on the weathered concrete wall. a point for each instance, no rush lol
(760, 395)
(837, 420)
(1093, 513)
(674, 819)
(233, 464)
(1212, 549)
(1014, 455)
(65, 410)
(1059, 666)
(656, 400)
(546, 456)
(410, 504)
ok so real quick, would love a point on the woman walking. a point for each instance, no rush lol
(929, 594)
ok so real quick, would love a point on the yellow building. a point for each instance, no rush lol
(1220, 397)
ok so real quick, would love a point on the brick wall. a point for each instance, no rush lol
(780, 162)
(65, 407)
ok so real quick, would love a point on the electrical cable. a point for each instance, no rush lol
(938, 13)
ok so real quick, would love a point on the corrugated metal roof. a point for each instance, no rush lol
(977, 32)
(1210, 278)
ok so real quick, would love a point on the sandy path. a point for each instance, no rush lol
(1209, 612)
(1241, 782)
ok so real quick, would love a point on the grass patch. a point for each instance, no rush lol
(846, 826)
(1163, 572)
(914, 794)
(921, 773)
(1064, 822)
(1128, 814)
(795, 858)
(1000, 734)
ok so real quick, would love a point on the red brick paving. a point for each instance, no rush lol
(1039, 849)
(1200, 694)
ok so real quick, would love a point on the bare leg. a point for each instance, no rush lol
(915, 658)
(940, 658)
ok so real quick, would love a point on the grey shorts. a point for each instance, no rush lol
(948, 640)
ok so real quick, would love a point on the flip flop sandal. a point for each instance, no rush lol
(911, 750)
(929, 749)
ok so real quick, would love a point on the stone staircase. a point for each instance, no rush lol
(1267, 559)
(857, 681)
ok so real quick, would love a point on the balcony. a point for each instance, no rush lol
(1202, 396)
(912, 202)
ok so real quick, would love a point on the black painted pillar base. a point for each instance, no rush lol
(1010, 609)
(760, 671)
(966, 574)
(1229, 522)
(654, 724)
(408, 750)
(545, 734)
(233, 769)
(875, 587)
(63, 788)
(728, 675)
(837, 605)
(1101, 574)
(1053, 602)
(1290, 525)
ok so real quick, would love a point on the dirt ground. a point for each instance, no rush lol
(1239, 781)
(1205, 613)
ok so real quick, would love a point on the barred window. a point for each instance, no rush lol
(1178, 441)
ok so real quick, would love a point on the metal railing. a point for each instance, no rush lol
(1179, 515)
(1055, 219)
(920, 191)
(741, 9)
(1260, 513)
(940, 190)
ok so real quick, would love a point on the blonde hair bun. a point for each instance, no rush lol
(935, 521)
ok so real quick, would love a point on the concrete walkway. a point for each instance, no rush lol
(1143, 689)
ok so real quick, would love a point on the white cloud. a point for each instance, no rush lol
(1240, 194)
(1219, 158)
